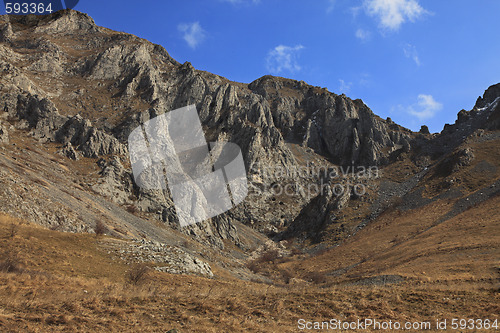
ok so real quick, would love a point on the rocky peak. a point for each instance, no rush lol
(489, 96)
(63, 22)
(273, 86)
(484, 115)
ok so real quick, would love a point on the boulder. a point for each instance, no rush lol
(68, 151)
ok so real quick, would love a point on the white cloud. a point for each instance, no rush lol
(410, 51)
(363, 35)
(393, 13)
(425, 108)
(193, 33)
(331, 6)
(283, 58)
(355, 11)
(365, 80)
(345, 87)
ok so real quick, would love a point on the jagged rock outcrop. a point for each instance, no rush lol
(489, 96)
(485, 115)
(115, 182)
(68, 151)
(424, 130)
(464, 157)
(333, 125)
(48, 124)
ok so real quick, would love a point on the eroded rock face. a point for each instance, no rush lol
(70, 152)
(47, 124)
(90, 87)
(332, 125)
(319, 213)
(4, 128)
(115, 182)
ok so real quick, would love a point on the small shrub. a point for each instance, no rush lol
(253, 266)
(317, 277)
(132, 209)
(10, 263)
(100, 228)
(56, 320)
(287, 275)
(268, 256)
(265, 257)
(13, 230)
(137, 274)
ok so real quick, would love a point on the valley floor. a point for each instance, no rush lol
(62, 282)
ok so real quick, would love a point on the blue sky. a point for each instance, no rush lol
(416, 61)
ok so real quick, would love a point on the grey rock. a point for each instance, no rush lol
(424, 129)
(5, 29)
(67, 22)
(167, 258)
(4, 134)
(463, 158)
(115, 182)
(312, 137)
(489, 96)
(98, 143)
(46, 123)
(68, 151)
(330, 124)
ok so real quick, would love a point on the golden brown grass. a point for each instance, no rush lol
(71, 285)
(409, 244)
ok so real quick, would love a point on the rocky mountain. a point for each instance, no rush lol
(348, 215)
(71, 92)
(85, 87)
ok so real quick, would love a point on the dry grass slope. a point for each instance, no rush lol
(69, 284)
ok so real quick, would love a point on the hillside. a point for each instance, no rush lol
(59, 282)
